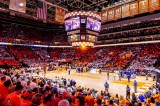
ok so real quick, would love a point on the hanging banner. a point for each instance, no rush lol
(154, 5)
(117, 12)
(125, 11)
(133, 8)
(110, 14)
(143, 6)
(104, 16)
(59, 15)
(18, 5)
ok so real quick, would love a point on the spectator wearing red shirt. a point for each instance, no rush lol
(14, 99)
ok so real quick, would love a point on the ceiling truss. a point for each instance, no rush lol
(89, 5)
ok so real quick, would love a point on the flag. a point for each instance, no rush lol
(41, 9)
(59, 16)
(18, 5)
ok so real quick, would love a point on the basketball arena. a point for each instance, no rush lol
(79, 52)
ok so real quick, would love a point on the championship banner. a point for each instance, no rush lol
(125, 10)
(143, 6)
(154, 5)
(59, 15)
(110, 14)
(133, 8)
(117, 12)
(104, 16)
(18, 5)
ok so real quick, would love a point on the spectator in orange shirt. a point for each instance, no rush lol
(89, 99)
(73, 97)
(148, 100)
(122, 101)
(107, 101)
(4, 88)
(156, 97)
(127, 102)
(26, 98)
(56, 99)
(98, 102)
(14, 99)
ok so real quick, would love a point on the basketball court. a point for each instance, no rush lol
(95, 80)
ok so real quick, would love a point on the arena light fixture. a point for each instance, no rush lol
(83, 13)
(88, 44)
(21, 4)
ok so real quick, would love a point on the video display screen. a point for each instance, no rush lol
(73, 23)
(74, 38)
(68, 25)
(90, 23)
(93, 24)
(91, 38)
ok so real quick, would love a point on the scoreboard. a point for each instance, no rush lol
(82, 27)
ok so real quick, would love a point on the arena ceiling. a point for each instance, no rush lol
(93, 5)
(70, 5)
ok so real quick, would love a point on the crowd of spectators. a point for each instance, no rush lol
(17, 33)
(24, 54)
(25, 34)
(147, 57)
(140, 56)
(134, 32)
(21, 89)
(113, 57)
(123, 58)
(11, 62)
(54, 53)
(129, 40)
(6, 58)
(42, 53)
(4, 54)
(104, 56)
(132, 26)
(131, 33)
(86, 56)
(118, 57)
